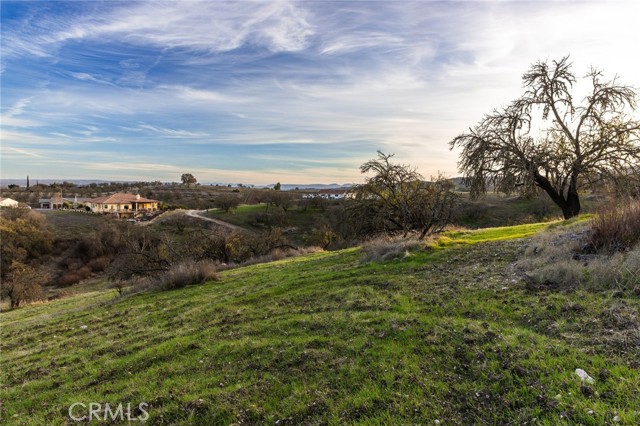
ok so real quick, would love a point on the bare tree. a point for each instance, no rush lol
(25, 237)
(227, 202)
(398, 198)
(24, 284)
(548, 140)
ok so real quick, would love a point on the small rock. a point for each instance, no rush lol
(616, 419)
(84, 327)
(584, 376)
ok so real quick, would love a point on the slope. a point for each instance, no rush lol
(449, 334)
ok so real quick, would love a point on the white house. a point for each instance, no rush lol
(8, 202)
(331, 194)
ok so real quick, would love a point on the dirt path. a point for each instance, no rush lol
(198, 214)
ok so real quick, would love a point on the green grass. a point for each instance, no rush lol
(449, 334)
(465, 237)
(69, 225)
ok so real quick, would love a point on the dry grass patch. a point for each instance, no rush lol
(617, 226)
(386, 247)
(566, 260)
(186, 273)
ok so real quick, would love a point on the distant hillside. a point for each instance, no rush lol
(290, 186)
(23, 182)
(285, 186)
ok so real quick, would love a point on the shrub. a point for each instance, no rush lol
(75, 276)
(99, 264)
(616, 227)
(185, 273)
(388, 247)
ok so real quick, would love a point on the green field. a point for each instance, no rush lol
(449, 334)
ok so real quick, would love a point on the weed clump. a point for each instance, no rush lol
(186, 273)
(617, 227)
(386, 247)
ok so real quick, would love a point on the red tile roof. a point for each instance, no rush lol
(120, 198)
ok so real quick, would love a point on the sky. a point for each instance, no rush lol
(266, 91)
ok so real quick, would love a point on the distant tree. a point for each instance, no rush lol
(226, 202)
(282, 199)
(24, 284)
(277, 186)
(321, 236)
(397, 199)
(13, 186)
(547, 139)
(188, 179)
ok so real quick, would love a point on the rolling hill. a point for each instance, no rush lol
(450, 335)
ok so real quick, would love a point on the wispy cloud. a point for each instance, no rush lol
(172, 133)
(278, 89)
(198, 25)
(18, 107)
(22, 152)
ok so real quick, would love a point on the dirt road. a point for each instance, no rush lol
(198, 214)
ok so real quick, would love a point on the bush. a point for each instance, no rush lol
(387, 247)
(185, 273)
(616, 227)
(75, 276)
(99, 264)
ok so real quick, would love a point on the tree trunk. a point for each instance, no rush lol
(570, 205)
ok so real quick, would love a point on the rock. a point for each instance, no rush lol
(584, 376)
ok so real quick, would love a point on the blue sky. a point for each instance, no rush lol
(266, 91)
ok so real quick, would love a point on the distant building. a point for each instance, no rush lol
(330, 194)
(58, 202)
(8, 202)
(122, 204)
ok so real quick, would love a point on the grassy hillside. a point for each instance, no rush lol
(297, 221)
(449, 334)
